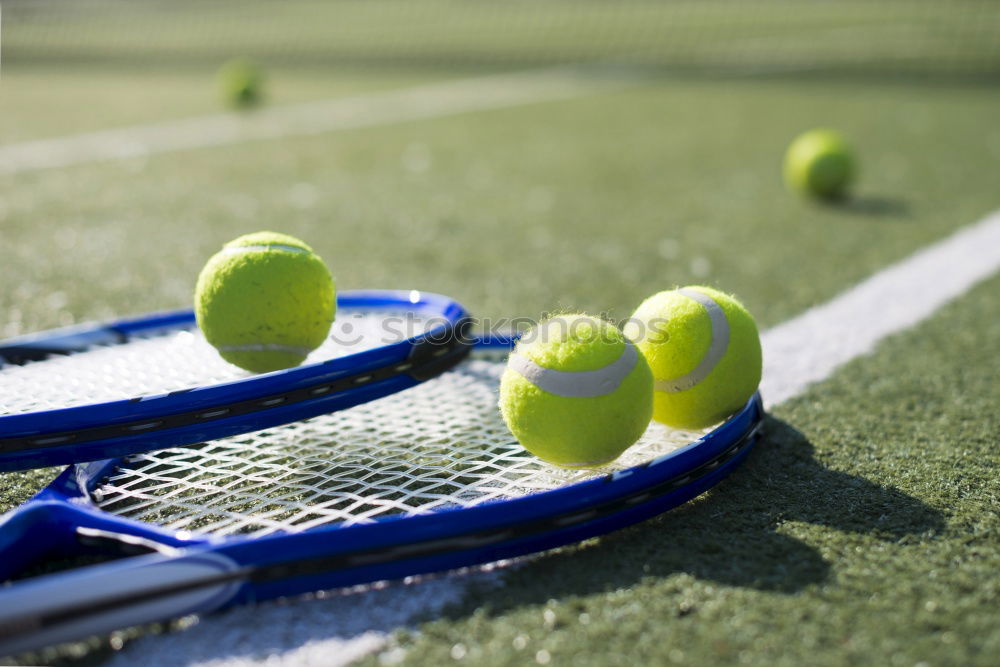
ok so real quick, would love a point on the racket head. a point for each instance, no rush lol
(405, 469)
(209, 545)
(164, 385)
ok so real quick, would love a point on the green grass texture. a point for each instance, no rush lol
(590, 204)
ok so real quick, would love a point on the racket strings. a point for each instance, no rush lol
(172, 362)
(435, 446)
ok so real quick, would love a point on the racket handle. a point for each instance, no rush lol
(101, 598)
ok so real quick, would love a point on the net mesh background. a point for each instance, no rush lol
(439, 445)
(897, 36)
(181, 360)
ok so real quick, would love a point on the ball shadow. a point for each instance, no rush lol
(871, 205)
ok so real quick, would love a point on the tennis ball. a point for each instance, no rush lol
(265, 301)
(241, 83)
(704, 350)
(576, 392)
(819, 163)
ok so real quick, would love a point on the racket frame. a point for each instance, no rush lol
(122, 427)
(217, 572)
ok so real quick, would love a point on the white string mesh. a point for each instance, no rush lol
(180, 360)
(439, 445)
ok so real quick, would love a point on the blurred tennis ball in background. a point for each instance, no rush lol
(241, 83)
(265, 301)
(704, 350)
(576, 392)
(820, 163)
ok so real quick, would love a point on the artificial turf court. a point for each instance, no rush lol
(864, 527)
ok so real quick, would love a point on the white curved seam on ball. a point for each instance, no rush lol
(578, 384)
(257, 248)
(265, 347)
(716, 349)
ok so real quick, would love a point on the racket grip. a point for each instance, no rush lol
(101, 598)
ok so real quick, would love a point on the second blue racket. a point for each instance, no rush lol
(152, 382)
(422, 480)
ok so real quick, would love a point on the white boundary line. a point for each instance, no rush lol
(808, 348)
(428, 101)
(798, 353)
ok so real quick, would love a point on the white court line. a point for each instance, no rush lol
(808, 348)
(428, 101)
(798, 353)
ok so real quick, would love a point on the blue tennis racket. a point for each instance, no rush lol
(422, 480)
(95, 392)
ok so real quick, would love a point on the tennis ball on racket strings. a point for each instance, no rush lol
(265, 301)
(241, 83)
(576, 392)
(704, 350)
(819, 163)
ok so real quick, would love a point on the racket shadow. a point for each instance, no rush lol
(731, 534)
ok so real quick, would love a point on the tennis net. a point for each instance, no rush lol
(891, 36)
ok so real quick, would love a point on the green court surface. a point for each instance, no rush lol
(585, 203)
(863, 530)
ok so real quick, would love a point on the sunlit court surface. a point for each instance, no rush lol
(473, 168)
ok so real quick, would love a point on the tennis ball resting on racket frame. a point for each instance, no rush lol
(704, 350)
(576, 392)
(265, 301)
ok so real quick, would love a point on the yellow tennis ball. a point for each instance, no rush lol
(265, 301)
(819, 163)
(241, 83)
(704, 350)
(576, 392)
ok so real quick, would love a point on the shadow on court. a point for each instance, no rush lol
(732, 535)
(872, 206)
